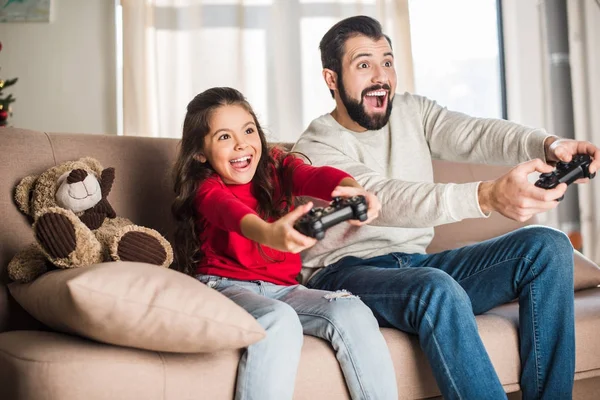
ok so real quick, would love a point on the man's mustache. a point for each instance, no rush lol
(375, 87)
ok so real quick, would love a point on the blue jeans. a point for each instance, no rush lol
(267, 369)
(436, 296)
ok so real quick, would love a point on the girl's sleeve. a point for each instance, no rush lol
(312, 181)
(220, 207)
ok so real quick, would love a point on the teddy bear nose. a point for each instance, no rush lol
(77, 175)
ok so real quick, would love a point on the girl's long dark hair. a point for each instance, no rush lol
(189, 173)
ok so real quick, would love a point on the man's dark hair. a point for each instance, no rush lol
(332, 44)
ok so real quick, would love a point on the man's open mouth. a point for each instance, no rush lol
(376, 99)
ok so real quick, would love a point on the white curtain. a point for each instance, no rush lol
(584, 44)
(267, 49)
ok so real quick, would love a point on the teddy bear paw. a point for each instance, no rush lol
(141, 247)
(56, 234)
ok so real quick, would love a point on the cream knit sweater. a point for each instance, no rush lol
(395, 164)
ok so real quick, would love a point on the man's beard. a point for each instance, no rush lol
(356, 110)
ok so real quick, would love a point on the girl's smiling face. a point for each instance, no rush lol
(232, 146)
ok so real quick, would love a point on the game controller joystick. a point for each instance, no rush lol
(566, 173)
(319, 219)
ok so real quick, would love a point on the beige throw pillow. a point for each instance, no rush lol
(138, 305)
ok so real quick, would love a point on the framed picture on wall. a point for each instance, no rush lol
(25, 10)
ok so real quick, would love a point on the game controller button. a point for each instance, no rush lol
(546, 175)
(317, 226)
(337, 200)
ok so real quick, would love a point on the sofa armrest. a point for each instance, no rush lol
(587, 272)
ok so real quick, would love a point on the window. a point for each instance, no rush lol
(457, 54)
(269, 50)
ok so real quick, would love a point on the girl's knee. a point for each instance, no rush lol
(284, 338)
(282, 320)
(286, 317)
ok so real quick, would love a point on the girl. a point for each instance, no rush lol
(235, 233)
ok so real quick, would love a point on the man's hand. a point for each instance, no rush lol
(513, 196)
(564, 149)
(373, 205)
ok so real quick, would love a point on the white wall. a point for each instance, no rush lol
(66, 68)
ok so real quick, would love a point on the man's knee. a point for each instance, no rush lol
(549, 251)
(546, 240)
(544, 234)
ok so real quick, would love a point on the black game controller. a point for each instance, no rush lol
(566, 173)
(315, 222)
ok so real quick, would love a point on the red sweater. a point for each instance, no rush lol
(221, 207)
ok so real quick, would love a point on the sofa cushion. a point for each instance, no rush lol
(138, 305)
(49, 363)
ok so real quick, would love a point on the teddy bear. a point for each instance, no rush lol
(75, 226)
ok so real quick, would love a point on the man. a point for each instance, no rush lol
(386, 141)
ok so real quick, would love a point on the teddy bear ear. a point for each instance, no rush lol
(23, 192)
(93, 164)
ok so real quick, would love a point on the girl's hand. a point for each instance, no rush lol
(282, 236)
(372, 202)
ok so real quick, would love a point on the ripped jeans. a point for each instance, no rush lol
(267, 369)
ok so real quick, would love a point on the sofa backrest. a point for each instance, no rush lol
(142, 190)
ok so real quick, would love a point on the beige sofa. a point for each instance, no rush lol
(37, 363)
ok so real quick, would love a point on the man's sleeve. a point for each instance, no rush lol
(308, 180)
(405, 204)
(220, 207)
(455, 136)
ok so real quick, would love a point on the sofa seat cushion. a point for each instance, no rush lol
(65, 367)
(69, 367)
(138, 305)
(60, 366)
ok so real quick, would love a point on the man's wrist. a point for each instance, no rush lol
(548, 151)
(484, 196)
